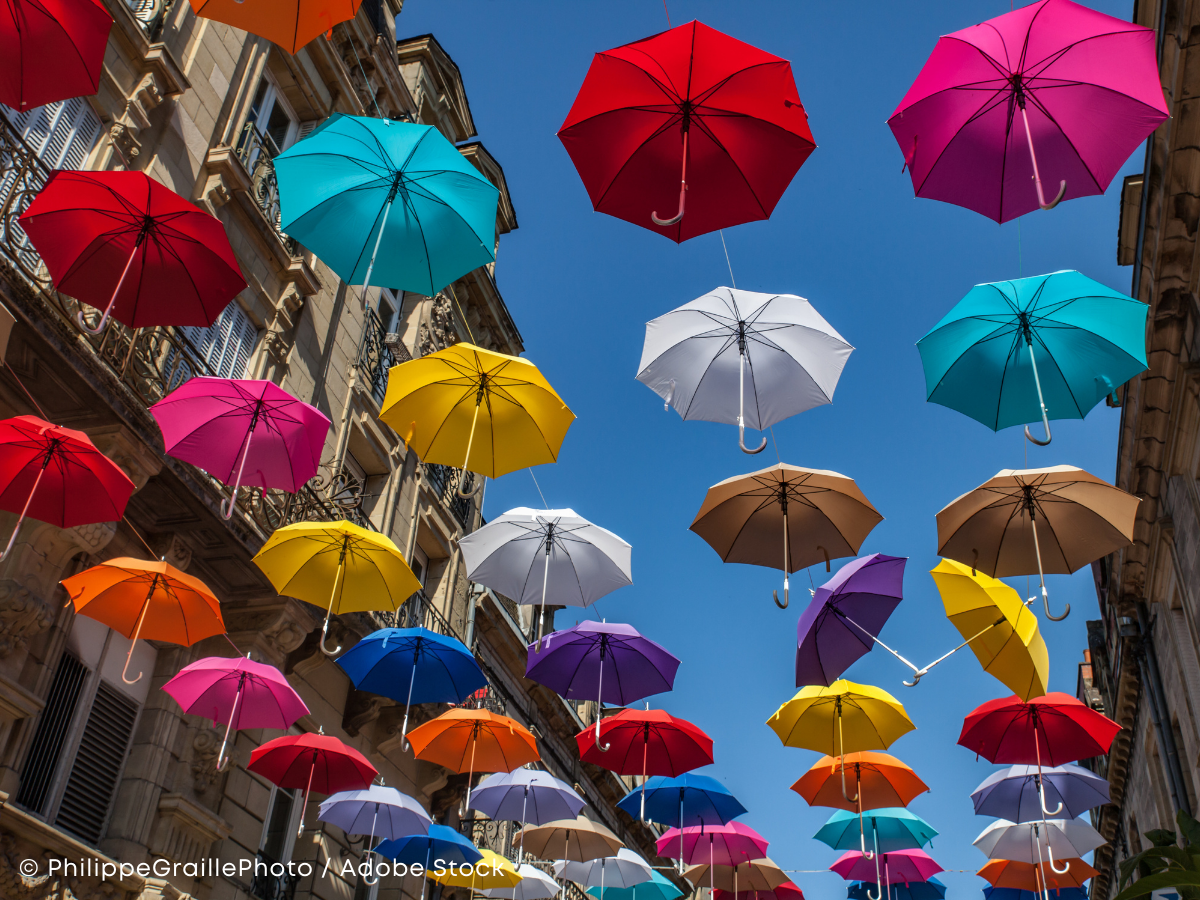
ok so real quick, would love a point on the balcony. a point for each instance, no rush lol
(419, 612)
(443, 480)
(267, 886)
(380, 351)
(257, 153)
(150, 14)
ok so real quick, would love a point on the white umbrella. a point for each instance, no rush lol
(1032, 841)
(621, 871)
(535, 885)
(526, 554)
(776, 349)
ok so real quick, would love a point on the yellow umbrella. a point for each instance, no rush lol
(484, 411)
(493, 871)
(338, 566)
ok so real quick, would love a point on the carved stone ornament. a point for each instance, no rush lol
(91, 539)
(124, 141)
(178, 554)
(205, 746)
(438, 332)
(22, 616)
(15, 884)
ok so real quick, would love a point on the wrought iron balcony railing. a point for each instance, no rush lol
(257, 153)
(444, 482)
(269, 886)
(378, 355)
(419, 612)
(150, 14)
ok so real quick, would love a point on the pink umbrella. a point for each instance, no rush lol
(899, 866)
(254, 428)
(240, 692)
(1052, 87)
(721, 845)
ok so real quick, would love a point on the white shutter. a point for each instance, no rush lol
(228, 343)
(62, 134)
(306, 128)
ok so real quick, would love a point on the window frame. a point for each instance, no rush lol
(272, 97)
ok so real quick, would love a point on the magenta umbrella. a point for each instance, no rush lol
(1053, 89)
(243, 432)
(730, 844)
(898, 866)
(240, 692)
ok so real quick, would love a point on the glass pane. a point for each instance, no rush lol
(278, 820)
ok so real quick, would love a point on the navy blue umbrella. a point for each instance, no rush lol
(687, 799)
(442, 844)
(918, 890)
(1067, 893)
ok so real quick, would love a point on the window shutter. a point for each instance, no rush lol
(306, 128)
(88, 796)
(228, 343)
(62, 134)
(52, 727)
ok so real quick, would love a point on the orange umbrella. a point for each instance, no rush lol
(289, 23)
(880, 781)
(1005, 873)
(151, 600)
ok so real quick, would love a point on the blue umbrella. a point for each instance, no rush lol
(893, 828)
(1068, 893)
(688, 799)
(914, 890)
(657, 888)
(441, 844)
(356, 185)
(526, 795)
(1052, 345)
(1013, 793)
(435, 668)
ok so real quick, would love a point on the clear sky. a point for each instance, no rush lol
(880, 266)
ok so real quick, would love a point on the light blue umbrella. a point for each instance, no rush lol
(356, 186)
(1051, 346)
(657, 888)
(894, 828)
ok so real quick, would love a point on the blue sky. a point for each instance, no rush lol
(880, 266)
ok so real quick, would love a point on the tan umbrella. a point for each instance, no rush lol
(821, 516)
(579, 839)
(1034, 521)
(756, 875)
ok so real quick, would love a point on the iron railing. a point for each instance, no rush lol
(444, 482)
(150, 14)
(268, 886)
(377, 356)
(257, 153)
(419, 612)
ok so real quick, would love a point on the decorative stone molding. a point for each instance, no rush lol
(186, 832)
(123, 139)
(91, 539)
(275, 630)
(205, 746)
(438, 331)
(22, 616)
(137, 460)
(178, 554)
(362, 708)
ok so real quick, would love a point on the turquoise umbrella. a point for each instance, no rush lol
(891, 829)
(356, 186)
(1052, 345)
(657, 888)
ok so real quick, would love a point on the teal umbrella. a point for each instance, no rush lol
(891, 829)
(1051, 346)
(356, 186)
(657, 888)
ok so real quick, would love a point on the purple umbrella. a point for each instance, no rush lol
(572, 663)
(845, 617)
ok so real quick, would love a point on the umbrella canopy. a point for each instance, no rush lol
(150, 600)
(1006, 873)
(819, 515)
(1013, 793)
(842, 718)
(526, 554)
(579, 839)
(1033, 521)
(57, 475)
(688, 799)
(759, 875)
(846, 614)
(657, 888)
(243, 432)
(474, 740)
(623, 870)
(441, 843)
(646, 742)
(693, 114)
(1033, 842)
(773, 351)
(124, 243)
(997, 625)
(785, 891)
(291, 24)
(905, 866)
(526, 795)
(1052, 345)
(1053, 82)
(359, 185)
(441, 402)
(338, 566)
(891, 830)
(376, 811)
(1050, 730)
(535, 885)
(574, 662)
(493, 871)
(51, 50)
(995, 893)
(931, 889)
(317, 762)
(878, 781)
(725, 845)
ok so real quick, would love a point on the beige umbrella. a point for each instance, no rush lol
(821, 515)
(578, 839)
(756, 875)
(1034, 521)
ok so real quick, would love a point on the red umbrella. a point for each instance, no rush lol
(1051, 730)
(312, 761)
(124, 243)
(690, 99)
(51, 50)
(786, 891)
(58, 476)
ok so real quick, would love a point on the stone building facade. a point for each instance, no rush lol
(93, 770)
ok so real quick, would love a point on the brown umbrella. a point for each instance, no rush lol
(821, 515)
(579, 839)
(756, 875)
(1034, 521)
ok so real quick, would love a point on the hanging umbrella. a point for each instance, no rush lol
(57, 475)
(1064, 838)
(317, 762)
(759, 875)
(879, 781)
(1005, 873)
(243, 432)
(441, 402)
(785, 891)
(413, 665)
(1033, 521)
(846, 614)
(995, 893)
(892, 830)
(579, 839)
(572, 662)
(821, 515)
(526, 795)
(527, 553)
(1014, 350)
(441, 843)
(997, 625)
(359, 185)
(932, 889)
(657, 888)
(337, 566)
(688, 97)
(688, 799)
(376, 812)
(493, 871)
(623, 870)
(123, 243)
(150, 600)
(1050, 730)
(725, 845)
(693, 356)
(535, 885)
(1014, 793)
(52, 50)
(906, 866)
(240, 692)
(291, 24)
(1079, 86)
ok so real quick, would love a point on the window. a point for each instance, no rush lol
(62, 134)
(420, 565)
(274, 119)
(389, 310)
(228, 343)
(275, 847)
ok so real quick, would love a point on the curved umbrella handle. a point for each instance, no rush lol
(916, 677)
(876, 896)
(1050, 615)
(682, 187)
(1053, 867)
(1041, 443)
(1050, 812)
(125, 671)
(603, 748)
(742, 442)
(1062, 189)
(458, 491)
(324, 631)
(775, 594)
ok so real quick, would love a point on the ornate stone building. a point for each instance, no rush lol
(93, 770)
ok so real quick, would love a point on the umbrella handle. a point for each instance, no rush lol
(1037, 178)
(682, 188)
(786, 562)
(1037, 381)
(324, 631)
(136, 632)
(741, 408)
(742, 441)
(670, 396)
(333, 595)
(603, 748)
(458, 490)
(16, 528)
(784, 604)
(1045, 596)
(1050, 855)
(83, 326)
(1049, 812)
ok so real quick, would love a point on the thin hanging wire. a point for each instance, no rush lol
(668, 12)
(358, 59)
(733, 282)
(36, 405)
(775, 443)
(1020, 269)
(545, 505)
(461, 314)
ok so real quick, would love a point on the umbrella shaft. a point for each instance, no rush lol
(33, 490)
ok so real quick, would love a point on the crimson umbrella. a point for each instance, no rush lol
(695, 100)
(58, 476)
(51, 50)
(124, 243)
(785, 891)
